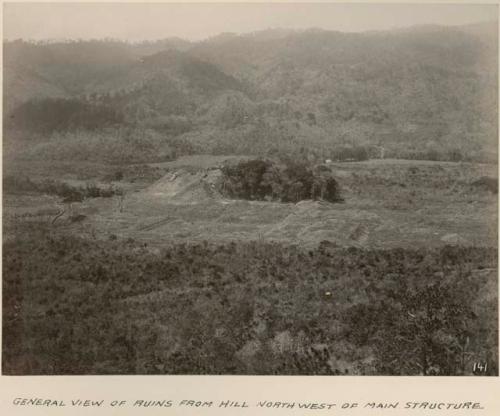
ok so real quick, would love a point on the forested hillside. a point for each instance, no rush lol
(426, 92)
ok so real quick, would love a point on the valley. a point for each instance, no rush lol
(282, 202)
(388, 203)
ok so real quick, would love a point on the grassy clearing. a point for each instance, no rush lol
(398, 204)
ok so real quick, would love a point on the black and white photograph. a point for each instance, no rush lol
(299, 189)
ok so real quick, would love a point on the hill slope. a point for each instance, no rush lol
(420, 90)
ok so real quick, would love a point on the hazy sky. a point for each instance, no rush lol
(138, 21)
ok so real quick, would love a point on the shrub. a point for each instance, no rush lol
(490, 184)
(15, 184)
(353, 153)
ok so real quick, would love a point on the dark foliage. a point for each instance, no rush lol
(59, 114)
(287, 182)
(69, 193)
(490, 184)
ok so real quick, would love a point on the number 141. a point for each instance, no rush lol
(480, 367)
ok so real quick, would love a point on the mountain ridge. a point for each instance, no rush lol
(416, 88)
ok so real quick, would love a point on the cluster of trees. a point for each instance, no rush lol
(17, 184)
(60, 114)
(113, 145)
(73, 305)
(286, 182)
(99, 111)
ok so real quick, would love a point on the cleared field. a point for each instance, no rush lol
(389, 203)
(199, 161)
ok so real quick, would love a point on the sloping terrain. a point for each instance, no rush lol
(182, 187)
(422, 90)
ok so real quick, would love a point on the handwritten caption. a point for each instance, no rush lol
(232, 404)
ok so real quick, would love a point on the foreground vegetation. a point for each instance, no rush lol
(84, 306)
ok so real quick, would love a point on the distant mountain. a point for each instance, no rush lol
(425, 88)
(60, 69)
(151, 47)
(110, 75)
